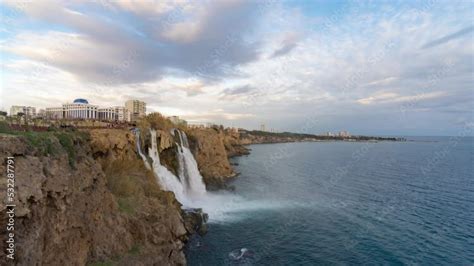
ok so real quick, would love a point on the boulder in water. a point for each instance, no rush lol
(195, 221)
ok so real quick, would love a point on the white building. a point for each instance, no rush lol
(28, 111)
(80, 109)
(54, 112)
(107, 113)
(121, 113)
(344, 134)
(117, 113)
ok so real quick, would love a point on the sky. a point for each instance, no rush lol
(368, 67)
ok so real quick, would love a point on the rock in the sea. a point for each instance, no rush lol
(195, 221)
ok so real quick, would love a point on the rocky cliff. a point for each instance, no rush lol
(87, 198)
(212, 148)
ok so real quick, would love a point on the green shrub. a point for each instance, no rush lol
(67, 142)
(135, 250)
(126, 205)
(4, 128)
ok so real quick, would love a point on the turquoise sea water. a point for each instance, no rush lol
(334, 203)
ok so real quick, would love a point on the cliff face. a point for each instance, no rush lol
(83, 200)
(208, 146)
(234, 144)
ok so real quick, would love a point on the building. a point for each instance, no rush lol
(263, 127)
(28, 111)
(136, 109)
(121, 113)
(329, 134)
(344, 134)
(107, 113)
(117, 113)
(78, 109)
(54, 112)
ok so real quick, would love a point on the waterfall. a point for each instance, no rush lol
(166, 179)
(188, 171)
(188, 186)
(139, 149)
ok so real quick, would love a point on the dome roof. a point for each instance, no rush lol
(81, 101)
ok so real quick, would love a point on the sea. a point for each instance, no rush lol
(345, 203)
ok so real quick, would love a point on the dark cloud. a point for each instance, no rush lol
(285, 49)
(448, 38)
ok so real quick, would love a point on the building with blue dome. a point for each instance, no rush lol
(80, 100)
(78, 109)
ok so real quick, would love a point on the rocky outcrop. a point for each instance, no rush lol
(90, 201)
(208, 146)
(233, 144)
(112, 145)
(195, 221)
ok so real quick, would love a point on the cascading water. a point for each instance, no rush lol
(189, 187)
(166, 179)
(139, 148)
(188, 171)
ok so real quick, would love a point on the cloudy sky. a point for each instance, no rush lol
(369, 67)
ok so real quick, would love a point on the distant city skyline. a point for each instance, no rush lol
(369, 68)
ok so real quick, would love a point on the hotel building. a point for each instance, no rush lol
(136, 109)
(26, 110)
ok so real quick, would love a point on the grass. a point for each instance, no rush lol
(67, 142)
(126, 205)
(52, 142)
(135, 250)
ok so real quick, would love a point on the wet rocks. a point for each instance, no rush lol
(195, 221)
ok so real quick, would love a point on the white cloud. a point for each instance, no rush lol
(390, 97)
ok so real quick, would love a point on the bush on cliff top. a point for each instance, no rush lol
(155, 121)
